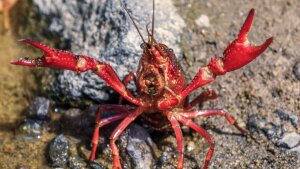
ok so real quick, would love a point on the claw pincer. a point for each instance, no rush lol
(57, 59)
(240, 52)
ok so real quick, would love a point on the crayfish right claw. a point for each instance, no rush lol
(240, 52)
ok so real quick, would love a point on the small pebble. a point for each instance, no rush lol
(287, 117)
(191, 146)
(76, 163)
(294, 120)
(296, 70)
(31, 129)
(297, 150)
(39, 108)
(270, 129)
(289, 140)
(203, 21)
(58, 151)
(281, 114)
(270, 132)
(255, 122)
(138, 147)
(95, 165)
(162, 159)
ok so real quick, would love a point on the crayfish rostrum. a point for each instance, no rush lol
(161, 87)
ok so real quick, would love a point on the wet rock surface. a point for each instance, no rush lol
(103, 30)
(76, 163)
(140, 147)
(58, 151)
(289, 140)
(31, 129)
(39, 108)
(35, 123)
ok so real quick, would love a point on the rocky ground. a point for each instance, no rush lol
(264, 97)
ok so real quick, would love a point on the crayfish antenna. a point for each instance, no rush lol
(152, 34)
(132, 19)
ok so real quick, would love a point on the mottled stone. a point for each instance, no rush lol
(138, 148)
(76, 163)
(58, 151)
(39, 108)
(289, 140)
(203, 21)
(296, 70)
(297, 150)
(94, 165)
(31, 129)
(287, 116)
(281, 114)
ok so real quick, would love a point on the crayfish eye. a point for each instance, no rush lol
(170, 50)
(142, 45)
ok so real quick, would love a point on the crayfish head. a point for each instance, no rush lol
(157, 53)
(151, 81)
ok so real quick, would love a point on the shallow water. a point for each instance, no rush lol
(17, 87)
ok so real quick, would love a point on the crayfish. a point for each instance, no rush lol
(162, 89)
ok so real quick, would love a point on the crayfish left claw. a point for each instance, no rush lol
(24, 62)
(32, 62)
(240, 52)
(57, 59)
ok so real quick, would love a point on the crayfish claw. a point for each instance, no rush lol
(240, 52)
(57, 59)
(44, 48)
(24, 62)
(242, 37)
(40, 61)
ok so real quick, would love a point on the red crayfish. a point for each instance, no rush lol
(161, 86)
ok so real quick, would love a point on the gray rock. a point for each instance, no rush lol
(76, 163)
(281, 114)
(289, 140)
(102, 29)
(58, 151)
(39, 108)
(297, 150)
(287, 116)
(94, 165)
(138, 148)
(294, 120)
(296, 70)
(273, 127)
(271, 133)
(31, 129)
